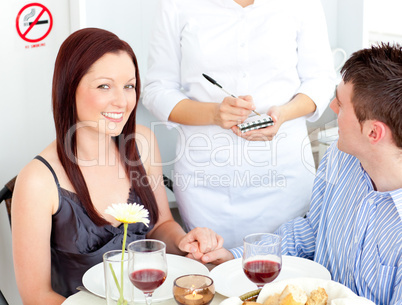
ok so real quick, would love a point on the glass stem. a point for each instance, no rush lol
(148, 298)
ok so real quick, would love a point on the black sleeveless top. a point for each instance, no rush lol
(77, 243)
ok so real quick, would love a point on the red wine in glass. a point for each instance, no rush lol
(262, 271)
(262, 258)
(147, 265)
(147, 280)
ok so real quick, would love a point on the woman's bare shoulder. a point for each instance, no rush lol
(36, 178)
(143, 131)
(145, 139)
(147, 145)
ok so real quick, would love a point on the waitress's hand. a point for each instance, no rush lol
(233, 111)
(199, 241)
(263, 134)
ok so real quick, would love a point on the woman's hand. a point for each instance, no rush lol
(263, 134)
(217, 256)
(233, 111)
(199, 241)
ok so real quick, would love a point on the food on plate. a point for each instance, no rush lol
(291, 295)
(272, 299)
(294, 295)
(318, 297)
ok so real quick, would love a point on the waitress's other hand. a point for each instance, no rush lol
(263, 134)
(233, 111)
(199, 241)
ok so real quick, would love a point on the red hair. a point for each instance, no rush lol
(76, 55)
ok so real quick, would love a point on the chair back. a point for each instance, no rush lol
(6, 194)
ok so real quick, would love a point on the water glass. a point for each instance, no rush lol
(117, 283)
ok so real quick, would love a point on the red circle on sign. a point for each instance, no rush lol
(44, 10)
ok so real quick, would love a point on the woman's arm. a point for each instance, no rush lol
(167, 229)
(35, 199)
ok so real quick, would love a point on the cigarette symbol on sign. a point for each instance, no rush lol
(27, 16)
(30, 15)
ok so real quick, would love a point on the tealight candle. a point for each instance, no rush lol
(194, 299)
(193, 289)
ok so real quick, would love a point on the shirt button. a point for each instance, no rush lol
(371, 201)
(244, 75)
(356, 239)
(242, 45)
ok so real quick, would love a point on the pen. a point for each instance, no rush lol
(212, 81)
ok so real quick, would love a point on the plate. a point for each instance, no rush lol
(231, 281)
(337, 293)
(93, 278)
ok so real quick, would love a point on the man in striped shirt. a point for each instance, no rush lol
(354, 226)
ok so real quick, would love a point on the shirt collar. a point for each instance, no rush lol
(397, 198)
(396, 195)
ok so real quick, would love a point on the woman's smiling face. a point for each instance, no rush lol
(106, 94)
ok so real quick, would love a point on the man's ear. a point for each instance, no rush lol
(377, 131)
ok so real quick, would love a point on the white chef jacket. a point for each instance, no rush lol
(270, 50)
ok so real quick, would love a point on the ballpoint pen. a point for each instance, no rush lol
(214, 82)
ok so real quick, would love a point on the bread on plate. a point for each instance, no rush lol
(335, 293)
(317, 297)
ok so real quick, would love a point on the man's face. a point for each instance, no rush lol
(350, 133)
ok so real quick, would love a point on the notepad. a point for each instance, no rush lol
(256, 122)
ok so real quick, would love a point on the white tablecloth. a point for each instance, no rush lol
(86, 298)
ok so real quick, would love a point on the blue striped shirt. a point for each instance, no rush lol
(351, 229)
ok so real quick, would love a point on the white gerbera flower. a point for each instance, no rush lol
(128, 213)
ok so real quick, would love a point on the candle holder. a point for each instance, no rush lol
(193, 289)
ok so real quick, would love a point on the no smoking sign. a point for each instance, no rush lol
(34, 22)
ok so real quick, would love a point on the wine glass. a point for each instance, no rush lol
(262, 259)
(147, 266)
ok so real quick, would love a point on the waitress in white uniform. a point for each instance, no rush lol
(275, 56)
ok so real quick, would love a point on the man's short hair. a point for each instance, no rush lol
(376, 75)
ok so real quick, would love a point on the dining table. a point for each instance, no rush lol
(85, 297)
(297, 271)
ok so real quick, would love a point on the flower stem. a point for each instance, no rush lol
(122, 260)
(114, 276)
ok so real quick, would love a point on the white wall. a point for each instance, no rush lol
(26, 124)
(351, 34)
